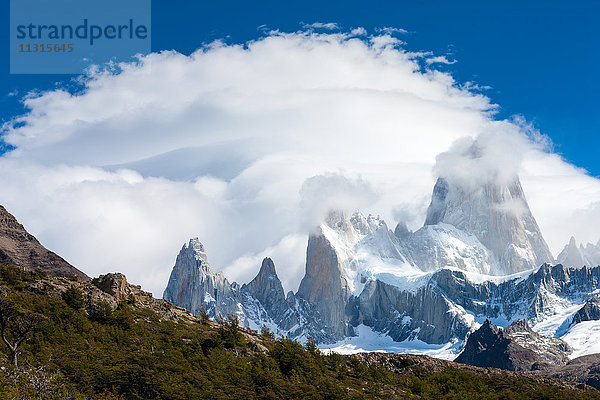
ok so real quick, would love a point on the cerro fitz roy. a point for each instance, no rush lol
(474, 259)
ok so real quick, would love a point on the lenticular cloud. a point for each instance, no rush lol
(220, 143)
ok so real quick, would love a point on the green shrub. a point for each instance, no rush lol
(100, 312)
(73, 296)
(131, 353)
(229, 330)
(17, 278)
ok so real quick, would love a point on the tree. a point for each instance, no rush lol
(101, 312)
(73, 296)
(266, 332)
(15, 325)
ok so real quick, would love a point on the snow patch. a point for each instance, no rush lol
(370, 341)
(584, 338)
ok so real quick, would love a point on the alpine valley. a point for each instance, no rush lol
(480, 257)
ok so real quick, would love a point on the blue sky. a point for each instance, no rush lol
(247, 147)
(539, 57)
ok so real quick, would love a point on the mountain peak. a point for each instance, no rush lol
(192, 274)
(497, 215)
(19, 247)
(401, 230)
(8, 221)
(266, 286)
(267, 268)
(197, 249)
(519, 325)
(574, 255)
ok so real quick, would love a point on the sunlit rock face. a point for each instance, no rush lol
(325, 283)
(498, 216)
(194, 286)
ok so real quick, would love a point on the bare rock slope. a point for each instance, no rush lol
(20, 248)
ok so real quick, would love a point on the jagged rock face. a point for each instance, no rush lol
(578, 256)
(589, 312)
(425, 285)
(114, 284)
(444, 306)
(325, 284)
(425, 314)
(483, 347)
(266, 287)
(401, 231)
(194, 286)
(264, 299)
(515, 348)
(18, 247)
(336, 296)
(534, 297)
(498, 215)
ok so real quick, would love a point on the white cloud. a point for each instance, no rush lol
(333, 191)
(221, 143)
(439, 60)
(322, 25)
(360, 31)
(391, 30)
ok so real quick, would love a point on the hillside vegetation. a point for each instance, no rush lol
(106, 339)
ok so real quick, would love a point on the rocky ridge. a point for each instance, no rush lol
(515, 348)
(589, 312)
(20, 248)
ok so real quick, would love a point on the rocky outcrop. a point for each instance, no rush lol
(114, 284)
(19, 248)
(515, 348)
(589, 312)
(498, 216)
(113, 289)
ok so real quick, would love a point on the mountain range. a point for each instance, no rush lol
(362, 279)
(480, 256)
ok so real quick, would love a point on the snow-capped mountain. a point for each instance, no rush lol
(480, 255)
(574, 255)
(498, 216)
